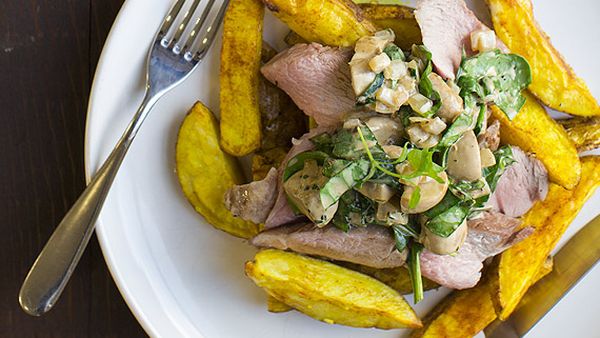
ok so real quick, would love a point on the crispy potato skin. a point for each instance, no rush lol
(518, 265)
(464, 313)
(535, 131)
(205, 172)
(329, 22)
(239, 76)
(396, 278)
(275, 306)
(328, 292)
(584, 132)
(397, 17)
(554, 81)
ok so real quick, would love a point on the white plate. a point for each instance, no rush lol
(181, 277)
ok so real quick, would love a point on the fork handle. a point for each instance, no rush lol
(59, 257)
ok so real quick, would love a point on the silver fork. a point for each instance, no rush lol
(169, 63)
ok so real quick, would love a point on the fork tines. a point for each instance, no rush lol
(173, 40)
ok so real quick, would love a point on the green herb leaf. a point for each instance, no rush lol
(426, 88)
(354, 210)
(447, 202)
(367, 96)
(449, 220)
(394, 52)
(496, 77)
(345, 178)
(415, 197)
(414, 270)
(297, 162)
(323, 142)
(504, 158)
(460, 125)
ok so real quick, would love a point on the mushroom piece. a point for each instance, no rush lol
(464, 158)
(303, 191)
(431, 193)
(378, 192)
(452, 103)
(444, 245)
(385, 129)
(389, 213)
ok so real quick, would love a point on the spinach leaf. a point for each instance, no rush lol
(480, 119)
(349, 174)
(465, 190)
(368, 95)
(297, 162)
(354, 210)
(414, 270)
(449, 220)
(504, 158)
(400, 238)
(446, 203)
(394, 52)
(496, 77)
(460, 125)
(323, 142)
(426, 88)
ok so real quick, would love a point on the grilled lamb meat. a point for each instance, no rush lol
(488, 236)
(372, 246)
(446, 26)
(521, 185)
(317, 78)
(253, 201)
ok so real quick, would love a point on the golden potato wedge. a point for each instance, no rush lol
(205, 172)
(396, 278)
(553, 81)
(584, 132)
(330, 22)
(534, 131)
(275, 306)
(464, 313)
(397, 17)
(518, 265)
(329, 292)
(239, 76)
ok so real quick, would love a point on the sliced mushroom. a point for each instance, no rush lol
(452, 104)
(420, 137)
(378, 192)
(431, 193)
(303, 190)
(464, 159)
(385, 129)
(389, 213)
(444, 245)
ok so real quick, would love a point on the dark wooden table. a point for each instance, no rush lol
(48, 55)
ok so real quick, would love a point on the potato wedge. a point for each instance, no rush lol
(553, 80)
(584, 132)
(464, 313)
(239, 76)
(328, 292)
(330, 22)
(518, 265)
(534, 131)
(275, 306)
(396, 278)
(205, 172)
(397, 17)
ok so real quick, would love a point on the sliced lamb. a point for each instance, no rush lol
(317, 78)
(253, 202)
(371, 246)
(446, 27)
(521, 185)
(488, 236)
(282, 213)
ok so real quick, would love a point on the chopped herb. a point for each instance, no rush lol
(297, 162)
(414, 270)
(504, 158)
(449, 220)
(394, 52)
(367, 95)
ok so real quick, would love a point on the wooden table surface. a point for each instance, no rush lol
(48, 55)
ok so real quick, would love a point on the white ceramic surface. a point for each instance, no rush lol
(181, 277)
